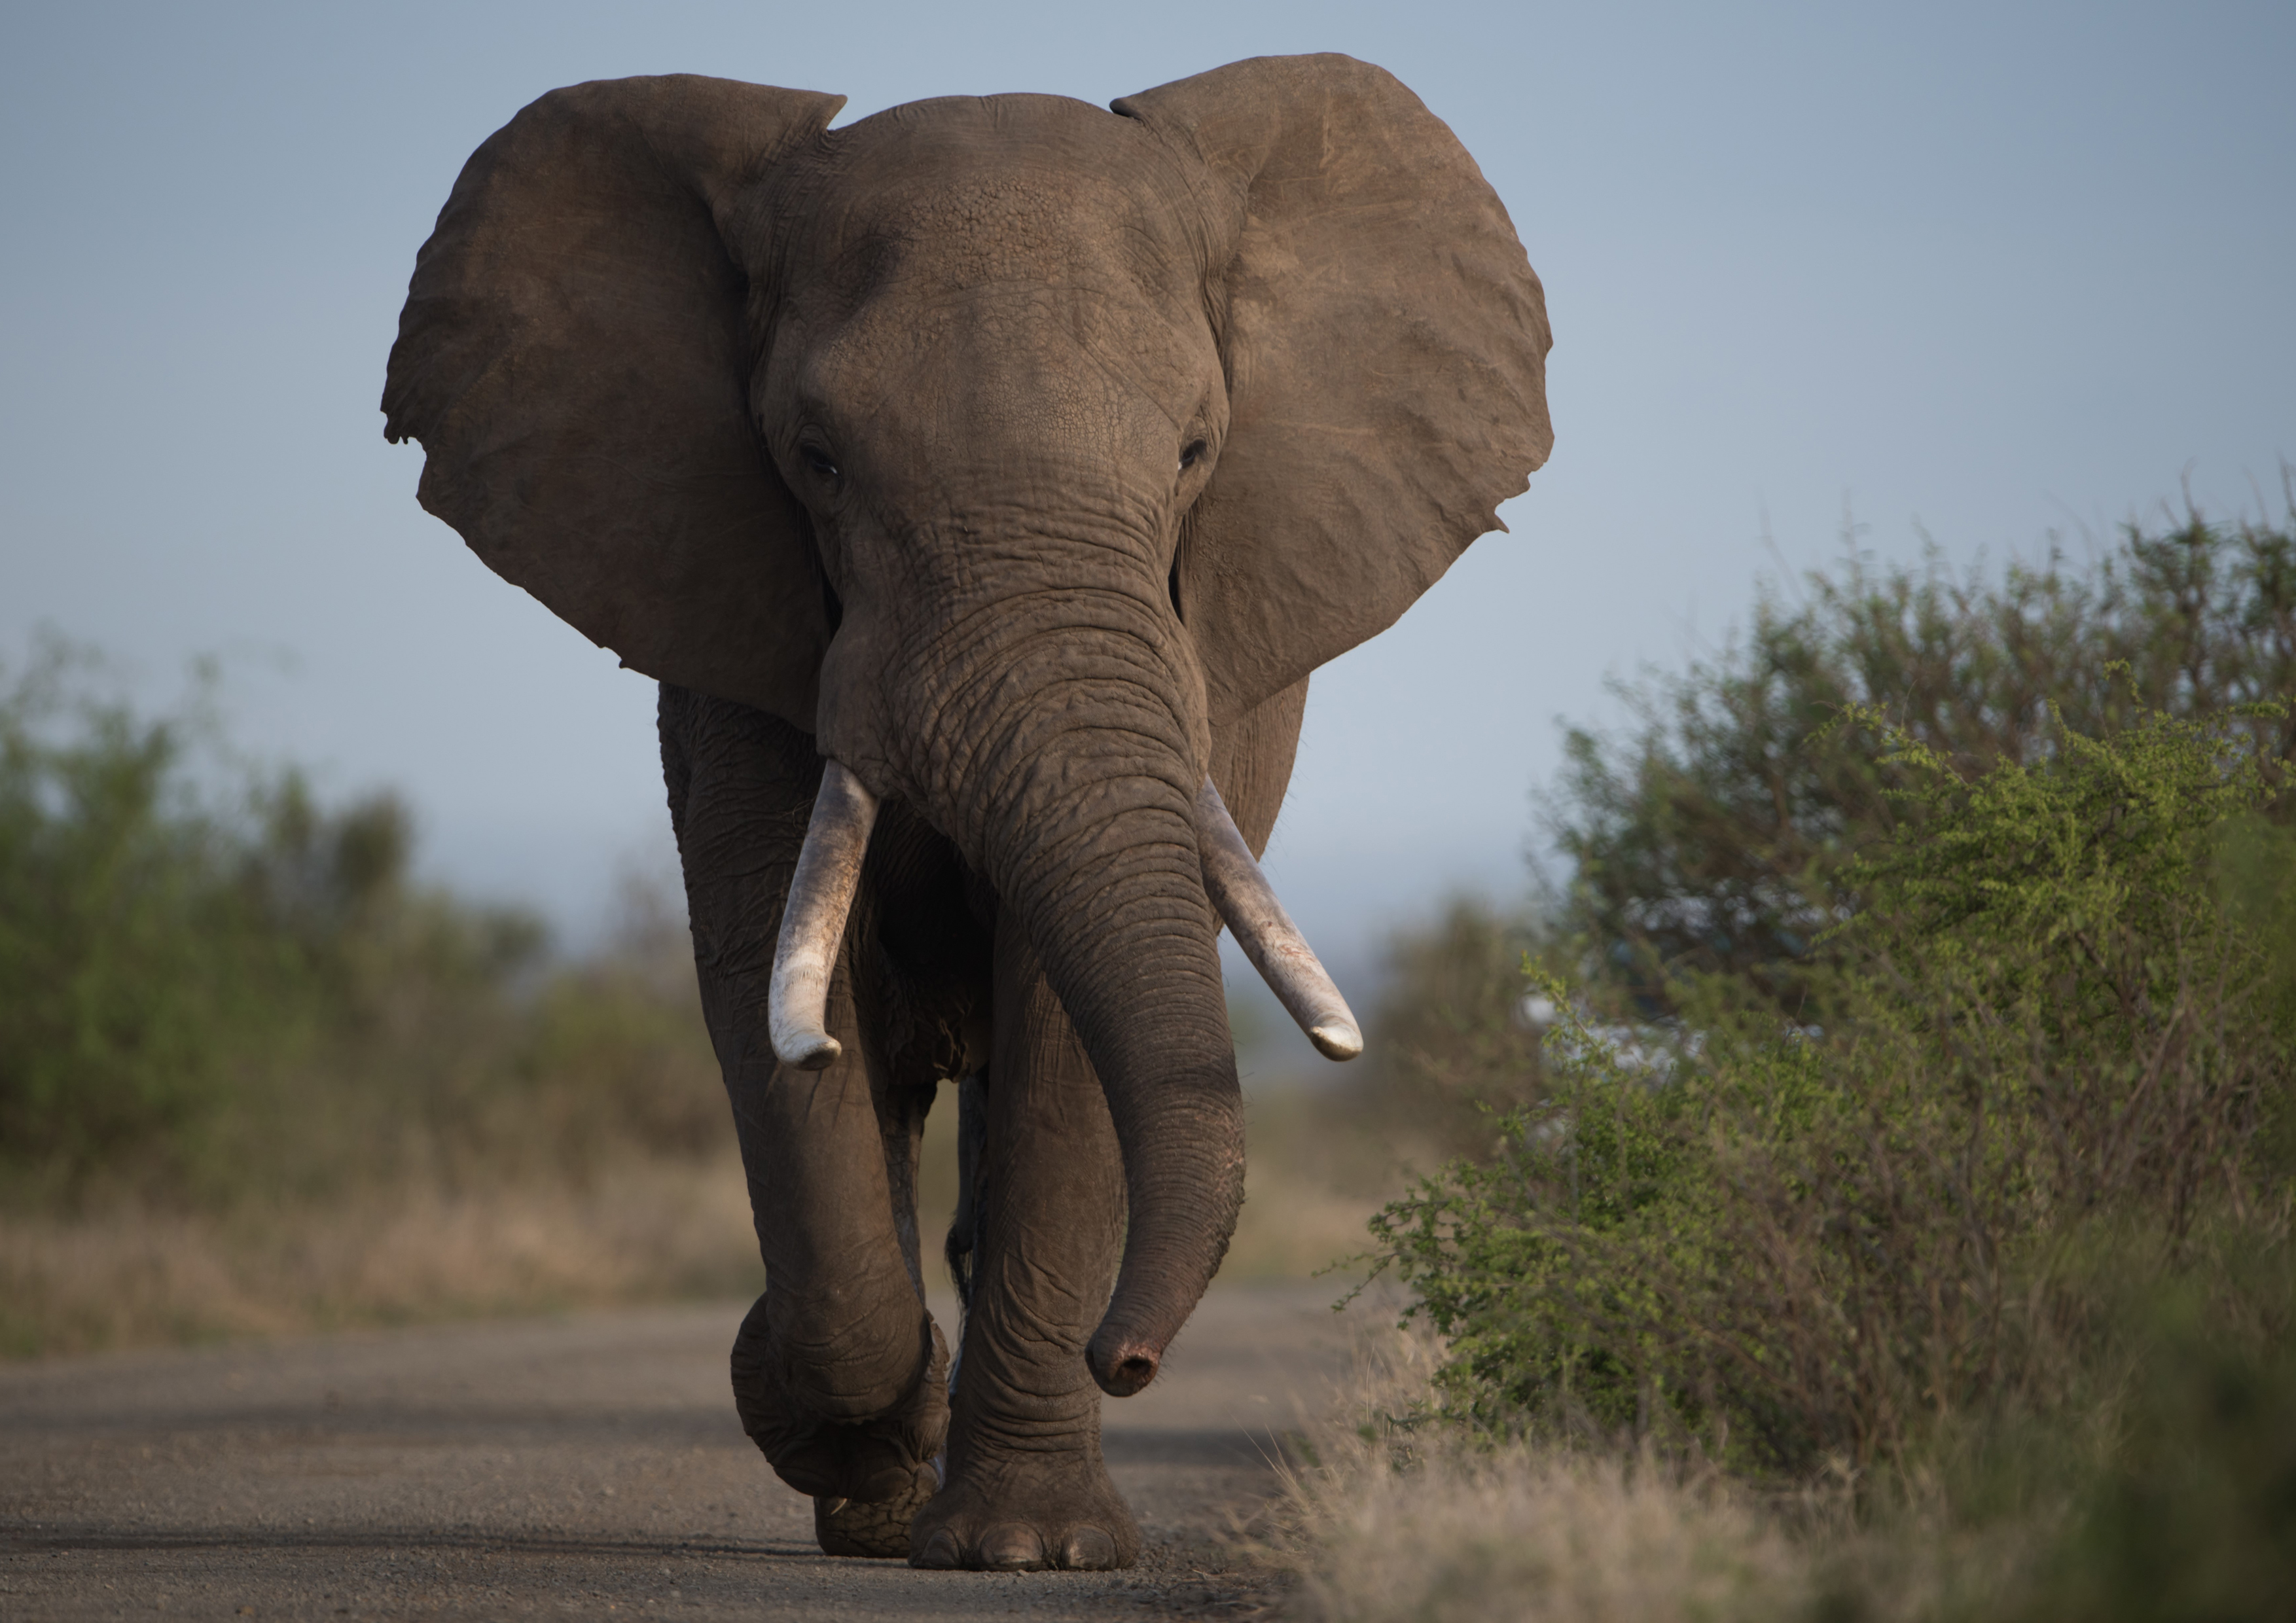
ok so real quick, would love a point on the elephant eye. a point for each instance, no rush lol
(822, 465)
(1193, 454)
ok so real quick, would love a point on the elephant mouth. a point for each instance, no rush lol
(829, 870)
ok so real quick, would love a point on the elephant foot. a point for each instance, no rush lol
(853, 1526)
(1027, 1515)
(881, 1460)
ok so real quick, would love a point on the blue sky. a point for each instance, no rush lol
(1983, 272)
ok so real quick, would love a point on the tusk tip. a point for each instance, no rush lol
(818, 1052)
(1336, 1039)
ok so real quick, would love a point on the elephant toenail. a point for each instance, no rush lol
(941, 1554)
(1088, 1550)
(1013, 1547)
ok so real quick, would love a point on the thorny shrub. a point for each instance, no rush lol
(2058, 1051)
(1720, 834)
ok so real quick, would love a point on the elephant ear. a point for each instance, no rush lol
(572, 358)
(1385, 342)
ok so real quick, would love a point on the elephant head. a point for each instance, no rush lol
(1011, 447)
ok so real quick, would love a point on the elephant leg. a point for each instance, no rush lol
(838, 1370)
(880, 1526)
(1025, 1486)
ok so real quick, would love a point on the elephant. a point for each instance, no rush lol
(981, 481)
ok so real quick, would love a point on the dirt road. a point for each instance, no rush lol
(579, 1467)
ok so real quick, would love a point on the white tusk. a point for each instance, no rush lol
(1241, 895)
(813, 922)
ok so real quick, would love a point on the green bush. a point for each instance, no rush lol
(1719, 837)
(2189, 1511)
(2056, 1058)
(214, 989)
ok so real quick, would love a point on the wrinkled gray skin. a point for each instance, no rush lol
(1025, 457)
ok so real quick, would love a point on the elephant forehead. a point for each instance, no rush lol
(1035, 383)
(962, 191)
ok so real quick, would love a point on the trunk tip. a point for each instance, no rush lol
(1336, 1039)
(1122, 1365)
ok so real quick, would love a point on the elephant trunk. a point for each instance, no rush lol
(1114, 905)
(1064, 756)
(1140, 978)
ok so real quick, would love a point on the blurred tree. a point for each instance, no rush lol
(213, 987)
(1451, 1033)
(127, 948)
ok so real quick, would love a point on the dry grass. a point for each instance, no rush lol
(634, 1229)
(1520, 1537)
(1292, 1228)
(1316, 1171)
(640, 1231)
(1390, 1514)
(1389, 1521)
